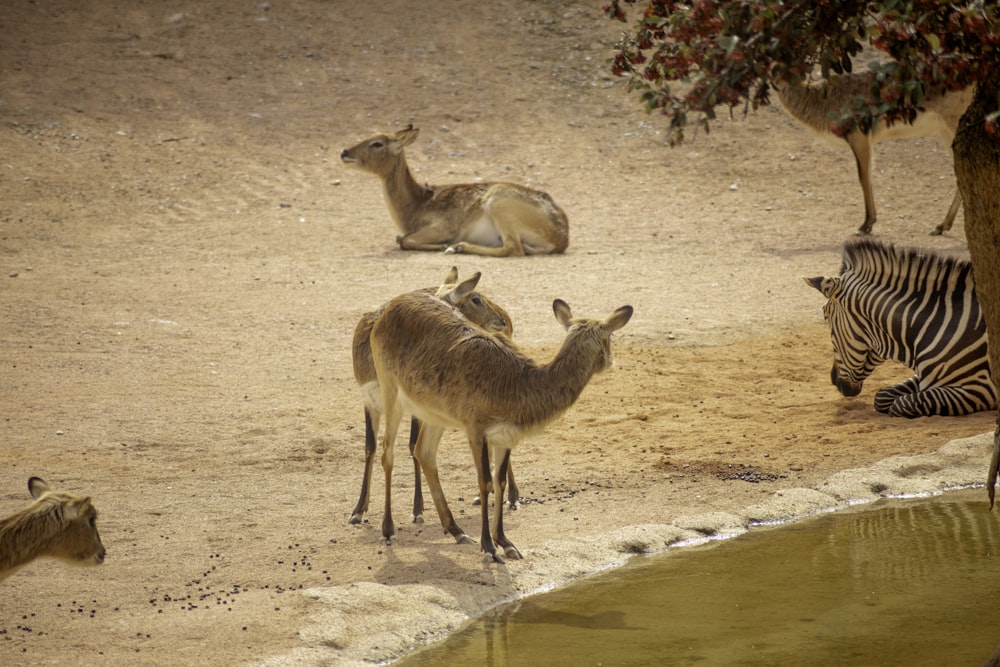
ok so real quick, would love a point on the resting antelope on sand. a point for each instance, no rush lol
(812, 105)
(446, 371)
(496, 219)
(58, 524)
(479, 310)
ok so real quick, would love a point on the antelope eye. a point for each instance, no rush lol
(477, 301)
(377, 144)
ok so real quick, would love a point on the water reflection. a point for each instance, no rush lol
(912, 582)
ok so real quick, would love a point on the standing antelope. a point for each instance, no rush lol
(443, 369)
(474, 306)
(812, 106)
(496, 219)
(58, 524)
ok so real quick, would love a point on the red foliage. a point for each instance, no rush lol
(729, 51)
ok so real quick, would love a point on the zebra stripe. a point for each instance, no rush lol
(916, 308)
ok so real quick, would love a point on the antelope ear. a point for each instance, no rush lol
(563, 313)
(464, 288)
(80, 507)
(71, 511)
(825, 284)
(37, 486)
(407, 135)
(468, 284)
(619, 318)
(452, 276)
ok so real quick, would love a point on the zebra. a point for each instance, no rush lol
(914, 307)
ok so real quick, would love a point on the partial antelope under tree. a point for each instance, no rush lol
(58, 524)
(812, 104)
(495, 219)
(479, 310)
(435, 364)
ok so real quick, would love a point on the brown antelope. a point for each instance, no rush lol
(474, 306)
(496, 219)
(438, 366)
(812, 105)
(58, 524)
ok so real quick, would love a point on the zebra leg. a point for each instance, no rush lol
(942, 401)
(886, 396)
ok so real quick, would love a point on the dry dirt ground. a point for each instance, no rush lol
(183, 259)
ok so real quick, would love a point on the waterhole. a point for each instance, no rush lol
(896, 582)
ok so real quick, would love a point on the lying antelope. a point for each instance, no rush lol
(812, 106)
(479, 310)
(448, 372)
(58, 524)
(496, 219)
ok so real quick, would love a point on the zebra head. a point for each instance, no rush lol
(853, 357)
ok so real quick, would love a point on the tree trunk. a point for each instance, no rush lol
(977, 169)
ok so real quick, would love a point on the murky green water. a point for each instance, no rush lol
(899, 582)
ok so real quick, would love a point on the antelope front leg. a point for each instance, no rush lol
(499, 483)
(418, 491)
(426, 454)
(371, 426)
(949, 218)
(481, 455)
(426, 238)
(860, 144)
(392, 418)
(513, 494)
(485, 250)
(991, 476)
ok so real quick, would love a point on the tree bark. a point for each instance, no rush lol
(977, 170)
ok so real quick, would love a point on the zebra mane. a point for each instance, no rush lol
(885, 264)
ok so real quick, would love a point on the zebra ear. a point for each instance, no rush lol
(828, 286)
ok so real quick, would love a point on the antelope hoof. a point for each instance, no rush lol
(356, 518)
(456, 249)
(511, 552)
(418, 518)
(464, 539)
(388, 532)
(493, 558)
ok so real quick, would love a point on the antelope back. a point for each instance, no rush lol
(475, 306)
(454, 374)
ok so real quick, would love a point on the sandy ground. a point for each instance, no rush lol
(183, 259)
